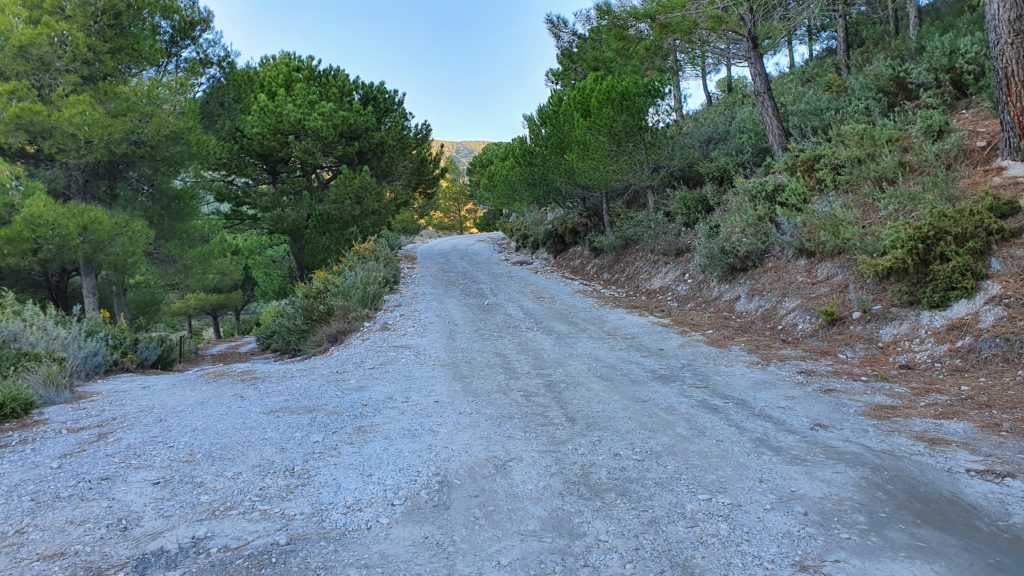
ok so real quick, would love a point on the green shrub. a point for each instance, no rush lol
(527, 228)
(405, 223)
(391, 241)
(332, 303)
(50, 381)
(129, 351)
(860, 156)
(690, 207)
(886, 85)
(776, 193)
(168, 357)
(491, 221)
(122, 346)
(16, 401)
(607, 243)
(156, 351)
(735, 238)
(830, 231)
(910, 196)
(720, 172)
(281, 327)
(654, 231)
(932, 125)
(12, 360)
(1001, 206)
(28, 327)
(555, 230)
(935, 256)
(956, 62)
(829, 314)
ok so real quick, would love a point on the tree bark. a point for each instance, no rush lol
(843, 40)
(1004, 22)
(790, 51)
(650, 200)
(298, 267)
(914, 18)
(704, 79)
(809, 30)
(238, 322)
(764, 98)
(605, 214)
(57, 288)
(216, 327)
(189, 323)
(677, 89)
(894, 19)
(120, 305)
(728, 75)
(90, 289)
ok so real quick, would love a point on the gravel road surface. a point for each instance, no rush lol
(494, 420)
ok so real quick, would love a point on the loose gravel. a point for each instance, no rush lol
(492, 420)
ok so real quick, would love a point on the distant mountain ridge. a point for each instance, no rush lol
(462, 151)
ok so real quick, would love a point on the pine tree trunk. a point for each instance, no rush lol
(650, 200)
(843, 40)
(57, 288)
(238, 322)
(120, 305)
(809, 30)
(297, 248)
(914, 18)
(677, 89)
(764, 98)
(1004, 21)
(790, 51)
(90, 289)
(605, 214)
(189, 322)
(216, 327)
(704, 79)
(728, 75)
(894, 19)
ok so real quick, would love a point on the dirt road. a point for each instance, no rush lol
(493, 420)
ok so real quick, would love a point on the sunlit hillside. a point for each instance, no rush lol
(463, 152)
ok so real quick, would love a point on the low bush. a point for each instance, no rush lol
(491, 221)
(14, 359)
(405, 222)
(129, 351)
(655, 231)
(332, 303)
(47, 352)
(735, 238)
(828, 230)
(168, 356)
(27, 329)
(690, 207)
(907, 198)
(828, 314)
(956, 62)
(555, 230)
(50, 381)
(16, 400)
(935, 256)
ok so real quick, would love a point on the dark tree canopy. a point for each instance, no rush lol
(315, 155)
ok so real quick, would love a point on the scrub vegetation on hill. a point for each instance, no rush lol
(851, 151)
(151, 188)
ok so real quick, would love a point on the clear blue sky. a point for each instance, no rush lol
(471, 68)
